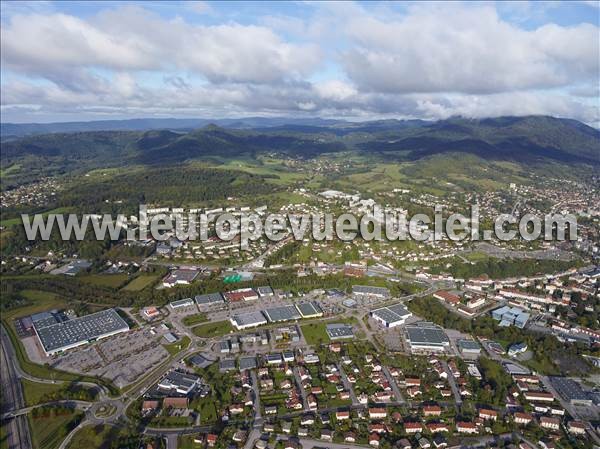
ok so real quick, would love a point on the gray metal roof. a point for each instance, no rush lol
(309, 308)
(368, 290)
(248, 362)
(78, 330)
(427, 334)
(339, 330)
(283, 313)
(209, 298)
(250, 318)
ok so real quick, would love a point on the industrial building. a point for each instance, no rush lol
(265, 292)
(181, 303)
(571, 391)
(509, 316)
(248, 362)
(466, 346)
(60, 335)
(310, 309)
(282, 313)
(182, 383)
(248, 320)
(242, 294)
(426, 337)
(180, 277)
(367, 290)
(391, 316)
(209, 300)
(339, 331)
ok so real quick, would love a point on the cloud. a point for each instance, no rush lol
(341, 59)
(455, 48)
(131, 38)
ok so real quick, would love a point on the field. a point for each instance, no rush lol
(197, 318)
(215, 329)
(48, 432)
(315, 333)
(178, 346)
(38, 393)
(17, 220)
(140, 283)
(93, 437)
(106, 280)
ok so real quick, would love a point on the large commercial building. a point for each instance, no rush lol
(180, 277)
(339, 331)
(509, 316)
(209, 300)
(571, 391)
(58, 335)
(248, 320)
(426, 337)
(368, 291)
(282, 313)
(310, 309)
(391, 316)
(182, 383)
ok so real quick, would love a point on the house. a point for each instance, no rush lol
(374, 440)
(327, 434)
(488, 414)
(424, 443)
(377, 428)
(523, 418)
(286, 427)
(211, 439)
(576, 428)
(341, 415)
(412, 382)
(240, 436)
(307, 420)
(466, 427)
(350, 437)
(377, 413)
(549, 423)
(432, 410)
(437, 427)
(412, 427)
(403, 444)
(538, 396)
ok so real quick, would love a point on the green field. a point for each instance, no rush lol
(197, 318)
(140, 283)
(18, 220)
(38, 393)
(187, 442)
(48, 432)
(178, 346)
(106, 280)
(215, 329)
(315, 333)
(92, 437)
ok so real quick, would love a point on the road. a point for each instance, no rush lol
(18, 436)
(452, 382)
(302, 390)
(347, 384)
(394, 385)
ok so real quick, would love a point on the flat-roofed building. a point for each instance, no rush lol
(282, 313)
(367, 290)
(467, 346)
(241, 294)
(64, 335)
(181, 303)
(209, 300)
(182, 383)
(310, 309)
(391, 316)
(339, 331)
(426, 337)
(265, 291)
(571, 391)
(180, 277)
(248, 320)
(248, 362)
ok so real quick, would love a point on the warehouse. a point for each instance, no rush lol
(209, 299)
(509, 316)
(242, 294)
(310, 309)
(68, 334)
(180, 277)
(248, 320)
(181, 303)
(338, 331)
(426, 337)
(367, 290)
(283, 313)
(182, 383)
(467, 346)
(391, 316)
(265, 292)
(571, 391)
(248, 362)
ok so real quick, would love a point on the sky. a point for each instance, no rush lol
(75, 61)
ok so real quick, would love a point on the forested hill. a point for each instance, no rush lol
(523, 139)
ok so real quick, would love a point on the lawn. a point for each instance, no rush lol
(315, 333)
(187, 442)
(197, 318)
(140, 283)
(106, 280)
(178, 346)
(214, 329)
(38, 393)
(47, 432)
(94, 437)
